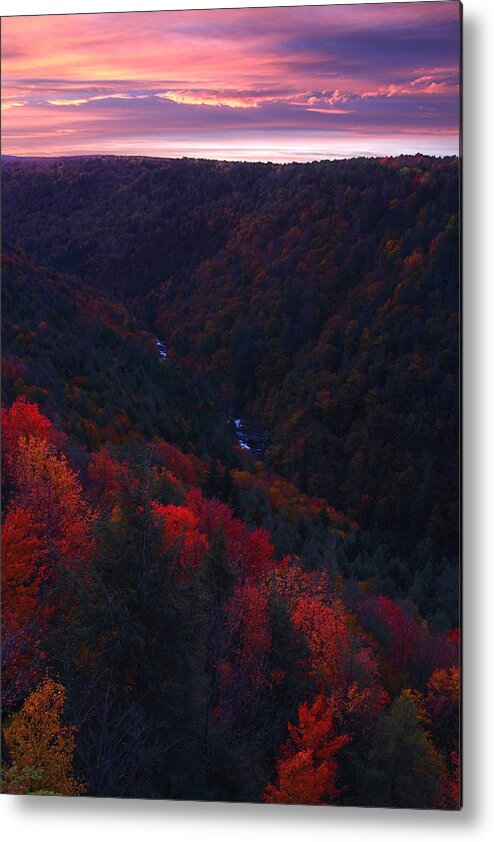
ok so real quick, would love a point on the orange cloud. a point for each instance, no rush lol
(12, 104)
(215, 100)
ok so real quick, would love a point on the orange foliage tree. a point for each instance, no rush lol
(340, 654)
(40, 747)
(47, 530)
(41, 482)
(48, 488)
(443, 706)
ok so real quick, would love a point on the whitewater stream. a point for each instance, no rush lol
(241, 434)
(161, 346)
(248, 435)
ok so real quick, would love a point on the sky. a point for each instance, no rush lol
(274, 84)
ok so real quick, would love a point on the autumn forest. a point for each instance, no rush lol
(230, 550)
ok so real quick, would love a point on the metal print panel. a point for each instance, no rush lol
(230, 405)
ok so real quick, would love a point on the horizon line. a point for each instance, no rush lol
(329, 158)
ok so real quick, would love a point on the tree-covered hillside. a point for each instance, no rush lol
(230, 480)
(91, 362)
(322, 301)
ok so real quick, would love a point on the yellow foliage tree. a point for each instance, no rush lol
(40, 747)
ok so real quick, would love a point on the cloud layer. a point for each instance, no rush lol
(253, 84)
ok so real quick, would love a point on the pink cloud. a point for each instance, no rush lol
(296, 70)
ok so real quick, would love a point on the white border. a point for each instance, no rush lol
(45, 7)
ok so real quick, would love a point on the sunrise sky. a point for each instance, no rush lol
(279, 84)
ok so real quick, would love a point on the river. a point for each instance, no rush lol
(162, 350)
(249, 436)
(247, 433)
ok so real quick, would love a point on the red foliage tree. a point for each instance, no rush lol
(250, 552)
(452, 789)
(24, 420)
(24, 611)
(307, 769)
(184, 466)
(183, 540)
(42, 483)
(244, 671)
(108, 476)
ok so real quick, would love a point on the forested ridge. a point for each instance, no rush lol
(188, 617)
